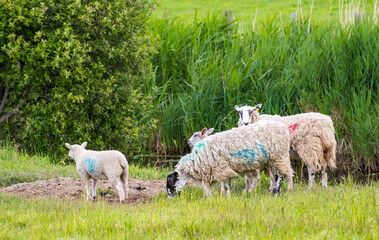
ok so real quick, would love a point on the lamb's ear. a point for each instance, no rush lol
(68, 146)
(84, 145)
(204, 131)
(210, 131)
(258, 106)
(236, 108)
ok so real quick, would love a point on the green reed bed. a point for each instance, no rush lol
(203, 68)
(339, 212)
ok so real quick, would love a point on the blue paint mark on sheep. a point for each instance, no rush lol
(200, 144)
(90, 164)
(247, 154)
(186, 158)
(263, 149)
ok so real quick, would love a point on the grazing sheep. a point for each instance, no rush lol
(237, 152)
(312, 138)
(225, 186)
(95, 165)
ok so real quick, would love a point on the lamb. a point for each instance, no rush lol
(311, 134)
(95, 165)
(237, 152)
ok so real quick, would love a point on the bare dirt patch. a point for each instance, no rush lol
(140, 191)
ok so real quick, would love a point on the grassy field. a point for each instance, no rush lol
(246, 12)
(343, 211)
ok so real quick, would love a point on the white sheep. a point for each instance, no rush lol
(237, 152)
(312, 138)
(96, 165)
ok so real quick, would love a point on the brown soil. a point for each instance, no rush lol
(140, 191)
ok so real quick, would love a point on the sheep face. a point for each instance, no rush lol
(72, 148)
(198, 136)
(246, 113)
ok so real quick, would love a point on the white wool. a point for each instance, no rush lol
(97, 165)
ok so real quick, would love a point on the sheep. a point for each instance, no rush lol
(312, 138)
(95, 165)
(225, 186)
(236, 152)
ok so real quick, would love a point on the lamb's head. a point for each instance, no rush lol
(198, 136)
(73, 149)
(246, 114)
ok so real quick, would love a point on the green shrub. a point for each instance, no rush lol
(74, 70)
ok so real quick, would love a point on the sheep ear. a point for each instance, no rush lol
(176, 174)
(204, 131)
(210, 131)
(258, 106)
(84, 145)
(68, 146)
(236, 108)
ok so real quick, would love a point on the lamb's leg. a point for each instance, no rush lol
(207, 190)
(125, 182)
(94, 181)
(86, 181)
(324, 177)
(311, 176)
(120, 189)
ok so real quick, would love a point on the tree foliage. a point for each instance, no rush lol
(71, 71)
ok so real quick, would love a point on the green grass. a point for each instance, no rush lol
(245, 11)
(342, 211)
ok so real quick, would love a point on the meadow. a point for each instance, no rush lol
(202, 68)
(344, 210)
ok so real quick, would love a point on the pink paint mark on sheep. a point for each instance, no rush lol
(293, 127)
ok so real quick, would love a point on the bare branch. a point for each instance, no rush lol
(5, 98)
(9, 114)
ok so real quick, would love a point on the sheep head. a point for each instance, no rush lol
(74, 148)
(198, 136)
(246, 114)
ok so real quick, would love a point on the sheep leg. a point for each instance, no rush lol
(277, 184)
(125, 182)
(94, 181)
(324, 177)
(227, 188)
(268, 173)
(207, 189)
(87, 183)
(251, 180)
(311, 176)
(222, 184)
(120, 189)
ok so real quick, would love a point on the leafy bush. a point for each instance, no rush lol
(73, 70)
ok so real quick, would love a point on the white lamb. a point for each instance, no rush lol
(237, 152)
(312, 138)
(96, 165)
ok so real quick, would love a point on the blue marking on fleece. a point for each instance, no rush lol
(263, 149)
(247, 154)
(90, 164)
(186, 158)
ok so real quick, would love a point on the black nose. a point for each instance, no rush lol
(246, 123)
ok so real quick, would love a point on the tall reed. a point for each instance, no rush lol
(202, 71)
